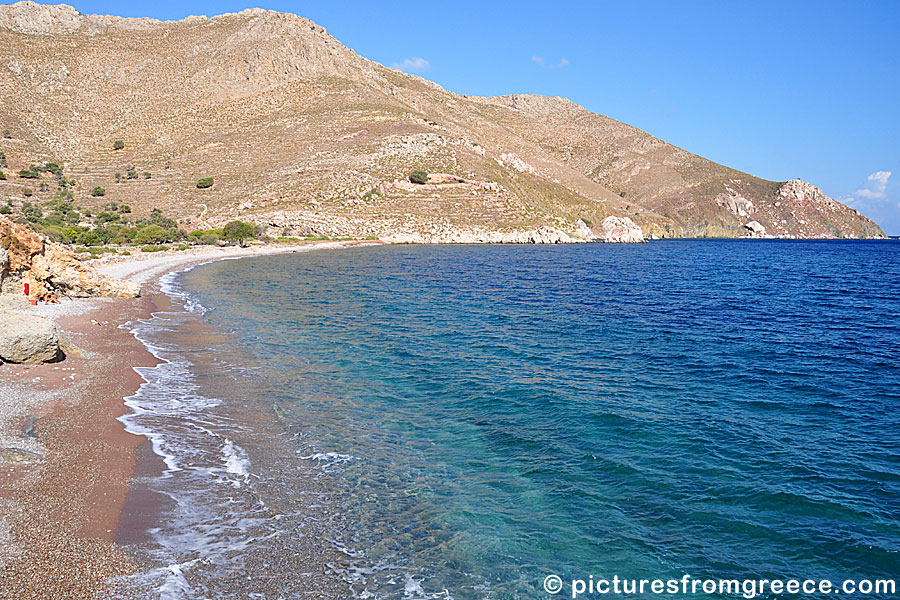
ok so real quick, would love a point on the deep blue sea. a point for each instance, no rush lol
(463, 421)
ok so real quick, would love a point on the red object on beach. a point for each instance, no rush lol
(27, 288)
(33, 302)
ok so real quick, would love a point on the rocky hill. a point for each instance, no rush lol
(305, 137)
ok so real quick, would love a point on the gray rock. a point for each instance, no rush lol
(14, 302)
(18, 456)
(29, 429)
(756, 229)
(28, 339)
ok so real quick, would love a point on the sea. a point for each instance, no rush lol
(423, 422)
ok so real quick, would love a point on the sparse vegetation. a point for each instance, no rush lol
(204, 182)
(31, 172)
(98, 191)
(418, 176)
(118, 145)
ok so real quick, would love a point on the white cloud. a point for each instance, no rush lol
(875, 186)
(416, 63)
(540, 61)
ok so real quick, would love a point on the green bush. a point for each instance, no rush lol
(30, 173)
(208, 239)
(125, 209)
(98, 191)
(154, 248)
(107, 217)
(5, 210)
(118, 145)
(418, 176)
(152, 234)
(204, 182)
(90, 238)
(2, 176)
(27, 192)
(238, 231)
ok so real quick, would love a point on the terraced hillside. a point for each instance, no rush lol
(302, 135)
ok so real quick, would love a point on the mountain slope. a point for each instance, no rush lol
(306, 137)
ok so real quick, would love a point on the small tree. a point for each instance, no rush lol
(418, 176)
(98, 191)
(238, 231)
(2, 176)
(118, 145)
(151, 234)
(204, 182)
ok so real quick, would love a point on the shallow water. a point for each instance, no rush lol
(461, 421)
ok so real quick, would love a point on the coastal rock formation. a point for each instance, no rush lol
(49, 267)
(29, 339)
(300, 130)
(755, 229)
(620, 229)
(583, 231)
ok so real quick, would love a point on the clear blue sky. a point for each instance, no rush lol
(779, 89)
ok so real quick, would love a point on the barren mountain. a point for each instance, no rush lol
(304, 136)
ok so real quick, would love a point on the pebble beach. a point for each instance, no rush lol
(64, 480)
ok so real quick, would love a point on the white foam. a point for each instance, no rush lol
(236, 461)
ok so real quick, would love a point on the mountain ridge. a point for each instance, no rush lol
(304, 136)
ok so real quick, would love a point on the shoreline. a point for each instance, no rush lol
(66, 520)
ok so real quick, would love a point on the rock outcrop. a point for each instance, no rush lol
(755, 229)
(620, 230)
(49, 267)
(29, 339)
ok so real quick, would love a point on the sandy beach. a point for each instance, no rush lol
(63, 488)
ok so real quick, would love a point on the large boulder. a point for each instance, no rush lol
(29, 339)
(620, 229)
(756, 229)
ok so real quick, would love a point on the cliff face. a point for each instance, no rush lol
(304, 136)
(26, 257)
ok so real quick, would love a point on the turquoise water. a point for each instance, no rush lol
(476, 418)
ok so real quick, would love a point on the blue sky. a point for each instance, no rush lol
(782, 89)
